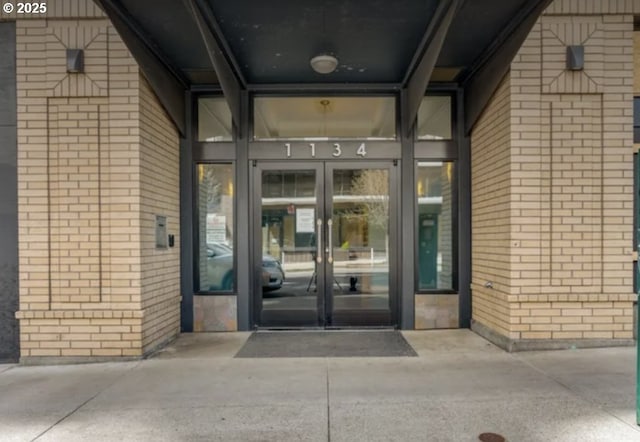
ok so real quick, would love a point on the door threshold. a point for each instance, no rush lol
(361, 328)
(279, 329)
(327, 329)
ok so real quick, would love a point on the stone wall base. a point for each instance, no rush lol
(516, 345)
(68, 360)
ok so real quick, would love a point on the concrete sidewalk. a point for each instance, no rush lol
(459, 387)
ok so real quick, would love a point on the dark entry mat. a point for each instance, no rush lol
(322, 344)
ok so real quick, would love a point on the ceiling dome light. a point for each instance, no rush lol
(324, 64)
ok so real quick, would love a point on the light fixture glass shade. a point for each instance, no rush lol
(324, 64)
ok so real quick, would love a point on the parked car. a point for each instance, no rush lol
(220, 269)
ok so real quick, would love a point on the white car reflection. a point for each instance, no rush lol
(220, 269)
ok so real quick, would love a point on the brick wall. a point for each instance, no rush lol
(96, 158)
(160, 187)
(490, 227)
(570, 178)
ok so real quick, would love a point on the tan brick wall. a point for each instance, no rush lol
(87, 284)
(160, 194)
(570, 176)
(490, 227)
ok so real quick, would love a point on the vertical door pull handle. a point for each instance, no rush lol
(330, 242)
(319, 242)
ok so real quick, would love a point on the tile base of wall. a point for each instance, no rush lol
(437, 311)
(215, 313)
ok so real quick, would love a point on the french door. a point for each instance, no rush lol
(324, 251)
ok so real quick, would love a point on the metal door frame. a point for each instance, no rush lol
(324, 201)
(354, 319)
(255, 263)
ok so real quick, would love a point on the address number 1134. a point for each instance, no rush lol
(337, 151)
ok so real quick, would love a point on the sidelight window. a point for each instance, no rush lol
(215, 222)
(435, 195)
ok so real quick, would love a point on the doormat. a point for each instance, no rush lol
(326, 344)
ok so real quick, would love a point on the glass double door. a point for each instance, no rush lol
(324, 244)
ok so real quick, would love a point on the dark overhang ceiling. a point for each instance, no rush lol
(374, 41)
(475, 28)
(169, 26)
(248, 44)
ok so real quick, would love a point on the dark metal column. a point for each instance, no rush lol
(9, 336)
(186, 221)
(243, 229)
(407, 224)
(464, 215)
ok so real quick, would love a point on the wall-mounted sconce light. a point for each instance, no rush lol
(575, 58)
(75, 61)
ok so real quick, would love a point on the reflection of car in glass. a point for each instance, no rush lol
(220, 269)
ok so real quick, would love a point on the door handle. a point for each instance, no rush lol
(330, 243)
(319, 242)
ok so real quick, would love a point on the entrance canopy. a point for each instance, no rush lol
(256, 45)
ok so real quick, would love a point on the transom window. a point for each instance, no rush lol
(434, 118)
(321, 118)
(214, 120)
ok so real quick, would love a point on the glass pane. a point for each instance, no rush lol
(313, 118)
(636, 219)
(434, 118)
(636, 119)
(214, 120)
(361, 240)
(435, 225)
(289, 246)
(215, 210)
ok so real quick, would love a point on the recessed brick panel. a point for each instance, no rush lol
(557, 34)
